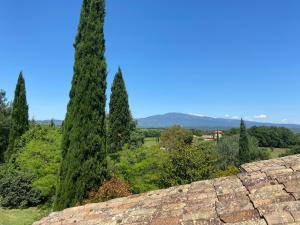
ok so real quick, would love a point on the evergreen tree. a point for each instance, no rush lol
(120, 120)
(5, 112)
(19, 117)
(84, 134)
(244, 150)
(52, 124)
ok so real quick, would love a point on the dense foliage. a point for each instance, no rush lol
(150, 168)
(141, 167)
(39, 156)
(228, 149)
(232, 131)
(84, 133)
(19, 117)
(137, 139)
(5, 112)
(244, 151)
(294, 150)
(16, 191)
(35, 166)
(151, 132)
(276, 137)
(174, 137)
(119, 124)
(190, 163)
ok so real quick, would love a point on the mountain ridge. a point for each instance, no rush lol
(195, 121)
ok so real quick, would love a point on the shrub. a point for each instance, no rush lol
(228, 149)
(175, 137)
(190, 163)
(38, 156)
(294, 150)
(230, 171)
(115, 188)
(16, 191)
(150, 132)
(141, 167)
(136, 139)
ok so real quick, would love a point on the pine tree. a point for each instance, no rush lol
(84, 134)
(119, 125)
(244, 150)
(19, 117)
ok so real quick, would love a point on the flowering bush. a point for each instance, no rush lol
(114, 188)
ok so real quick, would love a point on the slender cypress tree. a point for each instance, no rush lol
(84, 135)
(19, 117)
(5, 114)
(119, 124)
(244, 150)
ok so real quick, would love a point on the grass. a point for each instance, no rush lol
(21, 216)
(151, 141)
(276, 152)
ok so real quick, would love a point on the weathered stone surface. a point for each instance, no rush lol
(267, 192)
(296, 215)
(166, 221)
(202, 222)
(279, 218)
(240, 216)
(232, 203)
(288, 177)
(205, 214)
(280, 207)
(228, 185)
(253, 222)
(296, 167)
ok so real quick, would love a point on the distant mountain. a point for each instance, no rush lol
(192, 121)
(56, 122)
(200, 122)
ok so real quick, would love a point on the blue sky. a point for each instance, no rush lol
(211, 57)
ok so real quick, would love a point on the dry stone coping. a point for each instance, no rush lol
(264, 193)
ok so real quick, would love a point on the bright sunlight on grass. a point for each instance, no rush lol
(151, 141)
(20, 216)
(276, 152)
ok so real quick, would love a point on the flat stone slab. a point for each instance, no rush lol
(269, 194)
(276, 218)
(265, 193)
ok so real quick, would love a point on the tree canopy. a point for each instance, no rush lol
(244, 150)
(39, 156)
(276, 137)
(19, 117)
(119, 124)
(174, 137)
(84, 132)
(5, 112)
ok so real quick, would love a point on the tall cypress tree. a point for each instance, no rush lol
(244, 150)
(19, 117)
(84, 136)
(119, 124)
(5, 113)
